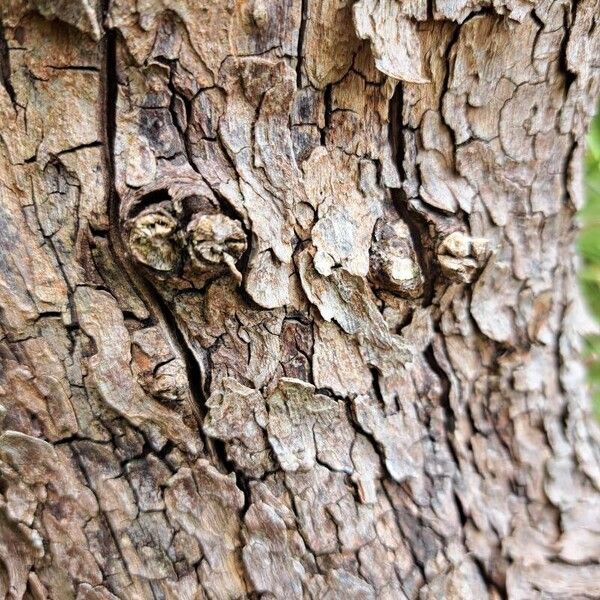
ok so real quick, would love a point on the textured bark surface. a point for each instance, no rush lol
(289, 303)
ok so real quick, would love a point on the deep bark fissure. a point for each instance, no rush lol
(158, 306)
(5, 77)
(417, 223)
(300, 48)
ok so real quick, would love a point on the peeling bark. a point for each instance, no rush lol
(289, 300)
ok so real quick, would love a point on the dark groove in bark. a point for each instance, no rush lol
(570, 12)
(215, 448)
(80, 147)
(119, 254)
(183, 132)
(417, 225)
(424, 246)
(5, 68)
(301, 32)
(377, 387)
(419, 231)
(445, 383)
(449, 416)
(328, 112)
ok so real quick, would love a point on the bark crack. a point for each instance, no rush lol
(152, 298)
(301, 33)
(5, 77)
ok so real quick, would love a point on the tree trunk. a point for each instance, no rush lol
(289, 301)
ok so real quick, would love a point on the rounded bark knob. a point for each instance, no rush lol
(153, 239)
(216, 240)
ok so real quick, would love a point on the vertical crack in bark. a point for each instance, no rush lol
(328, 111)
(569, 15)
(419, 230)
(5, 68)
(434, 365)
(185, 140)
(150, 296)
(424, 248)
(301, 32)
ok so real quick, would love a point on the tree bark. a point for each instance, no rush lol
(289, 303)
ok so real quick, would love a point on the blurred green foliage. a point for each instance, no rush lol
(589, 245)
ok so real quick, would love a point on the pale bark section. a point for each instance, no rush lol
(288, 300)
